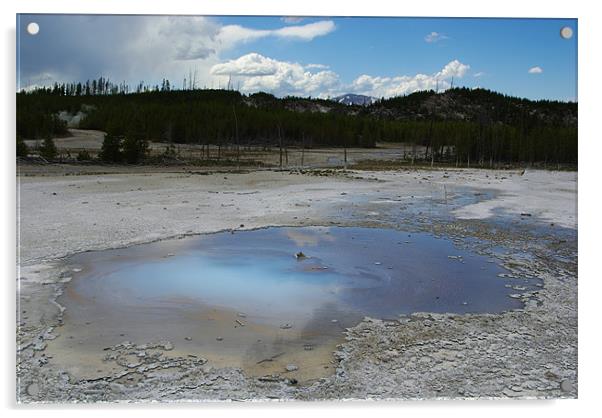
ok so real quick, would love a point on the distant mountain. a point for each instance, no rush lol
(354, 99)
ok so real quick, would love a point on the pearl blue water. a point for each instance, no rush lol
(350, 270)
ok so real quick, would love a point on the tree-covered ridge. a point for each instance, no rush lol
(478, 105)
(459, 124)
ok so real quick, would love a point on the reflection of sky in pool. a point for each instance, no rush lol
(362, 271)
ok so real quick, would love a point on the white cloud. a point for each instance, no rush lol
(232, 34)
(292, 19)
(453, 69)
(400, 85)
(306, 32)
(41, 80)
(250, 65)
(394, 86)
(535, 70)
(256, 72)
(435, 37)
(192, 37)
(479, 74)
(316, 67)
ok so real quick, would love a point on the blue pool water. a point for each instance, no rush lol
(360, 271)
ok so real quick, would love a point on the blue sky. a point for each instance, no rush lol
(305, 56)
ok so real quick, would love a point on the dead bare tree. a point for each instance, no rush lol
(280, 144)
(302, 149)
(236, 137)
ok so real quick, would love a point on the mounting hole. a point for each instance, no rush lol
(33, 28)
(566, 32)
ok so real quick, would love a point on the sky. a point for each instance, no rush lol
(303, 56)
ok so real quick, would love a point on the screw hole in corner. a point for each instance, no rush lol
(33, 28)
(566, 32)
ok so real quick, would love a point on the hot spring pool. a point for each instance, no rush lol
(242, 297)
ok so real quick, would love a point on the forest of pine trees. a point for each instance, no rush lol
(459, 125)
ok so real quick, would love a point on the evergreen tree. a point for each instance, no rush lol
(83, 156)
(134, 149)
(110, 151)
(22, 148)
(48, 149)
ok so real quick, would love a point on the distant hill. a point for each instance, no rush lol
(458, 104)
(481, 105)
(354, 99)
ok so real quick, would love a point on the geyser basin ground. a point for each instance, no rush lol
(243, 299)
(523, 353)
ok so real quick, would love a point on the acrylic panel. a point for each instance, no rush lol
(295, 208)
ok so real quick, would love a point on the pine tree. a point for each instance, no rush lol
(134, 149)
(48, 149)
(111, 149)
(22, 148)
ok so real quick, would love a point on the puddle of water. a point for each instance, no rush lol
(440, 201)
(238, 299)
